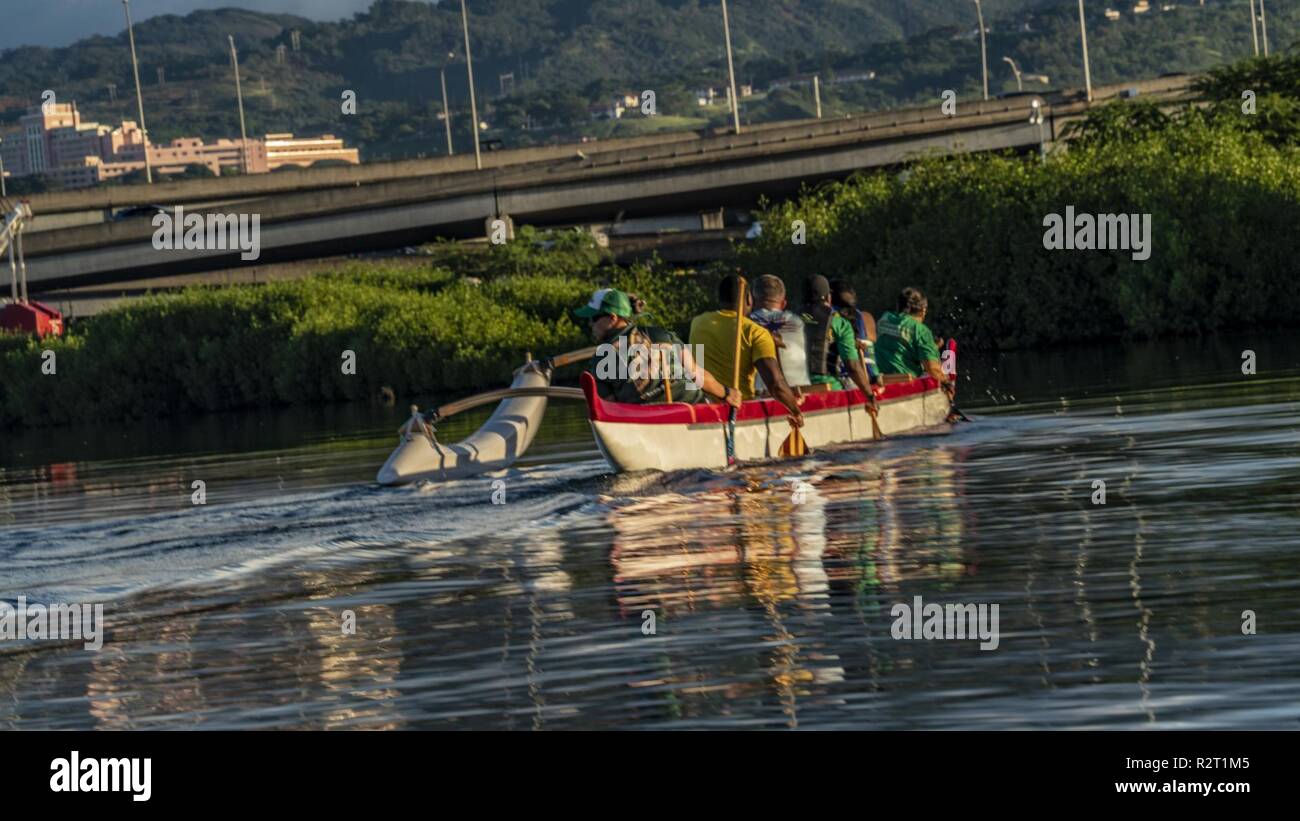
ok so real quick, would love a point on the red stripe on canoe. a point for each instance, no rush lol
(678, 413)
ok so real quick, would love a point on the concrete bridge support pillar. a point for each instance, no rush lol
(711, 220)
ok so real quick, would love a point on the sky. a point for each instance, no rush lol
(61, 22)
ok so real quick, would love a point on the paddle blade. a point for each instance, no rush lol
(794, 445)
(730, 431)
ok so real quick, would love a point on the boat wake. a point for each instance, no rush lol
(106, 559)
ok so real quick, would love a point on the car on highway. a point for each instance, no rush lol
(1010, 95)
(131, 212)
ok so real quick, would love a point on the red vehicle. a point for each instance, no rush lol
(31, 318)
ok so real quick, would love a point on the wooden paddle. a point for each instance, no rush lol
(668, 383)
(580, 355)
(794, 445)
(735, 371)
(954, 412)
(873, 409)
(875, 423)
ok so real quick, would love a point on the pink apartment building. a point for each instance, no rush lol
(54, 141)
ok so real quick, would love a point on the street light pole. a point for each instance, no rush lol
(469, 69)
(1083, 35)
(1254, 28)
(446, 112)
(1036, 117)
(139, 98)
(1263, 27)
(1019, 85)
(731, 69)
(984, 55)
(3, 191)
(239, 95)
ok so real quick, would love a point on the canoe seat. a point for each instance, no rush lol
(894, 378)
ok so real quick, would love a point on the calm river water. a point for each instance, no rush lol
(758, 598)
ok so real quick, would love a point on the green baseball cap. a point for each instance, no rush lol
(606, 301)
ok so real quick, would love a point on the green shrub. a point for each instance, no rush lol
(969, 232)
(417, 330)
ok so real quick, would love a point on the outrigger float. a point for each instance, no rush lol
(496, 445)
(672, 436)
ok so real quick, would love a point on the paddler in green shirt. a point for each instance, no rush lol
(904, 345)
(829, 340)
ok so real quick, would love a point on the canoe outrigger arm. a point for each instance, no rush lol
(434, 416)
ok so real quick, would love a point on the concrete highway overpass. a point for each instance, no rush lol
(331, 211)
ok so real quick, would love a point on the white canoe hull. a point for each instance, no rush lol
(630, 445)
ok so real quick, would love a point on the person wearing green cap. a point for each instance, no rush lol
(643, 364)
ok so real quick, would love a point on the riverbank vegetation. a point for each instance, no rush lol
(1221, 183)
(465, 320)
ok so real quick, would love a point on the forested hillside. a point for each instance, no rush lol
(541, 64)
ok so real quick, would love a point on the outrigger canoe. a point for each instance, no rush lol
(663, 437)
(680, 435)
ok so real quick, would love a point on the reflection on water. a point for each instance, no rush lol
(796, 560)
(756, 598)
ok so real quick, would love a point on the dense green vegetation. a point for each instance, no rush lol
(416, 331)
(565, 55)
(1222, 186)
